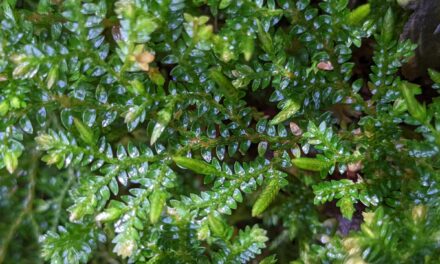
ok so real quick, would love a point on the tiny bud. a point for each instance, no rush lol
(323, 238)
(116, 33)
(325, 66)
(368, 217)
(352, 245)
(348, 100)
(419, 213)
(357, 132)
(144, 59)
(205, 32)
(125, 248)
(15, 102)
(227, 55)
(295, 129)
(73, 217)
(171, 211)
(355, 167)
(44, 141)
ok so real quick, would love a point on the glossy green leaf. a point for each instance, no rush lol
(311, 164)
(195, 165)
(157, 201)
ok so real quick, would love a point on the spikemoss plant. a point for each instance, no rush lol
(214, 131)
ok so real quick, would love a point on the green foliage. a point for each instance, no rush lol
(73, 245)
(347, 191)
(214, 131)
